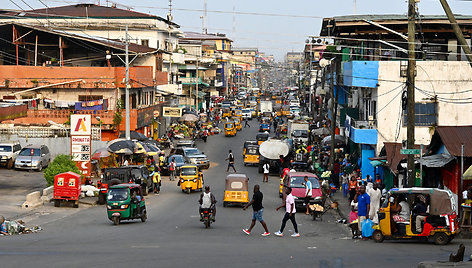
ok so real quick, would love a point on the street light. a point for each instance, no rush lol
(100, 123)
(60, 126)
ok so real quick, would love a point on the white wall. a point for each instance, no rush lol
(435, 77)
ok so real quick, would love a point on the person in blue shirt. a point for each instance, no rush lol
(363, 205)
(308, 193)
(3, 226)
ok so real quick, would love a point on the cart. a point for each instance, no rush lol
(317, 211)
(67, 188)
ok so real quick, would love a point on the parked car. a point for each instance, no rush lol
(179, 162)
(33, 157)
(8, 153)
(183, 143)
(194, 156)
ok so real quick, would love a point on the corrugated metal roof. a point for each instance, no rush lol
(85, 11)
(200, 36)
(454, 136)
(397, 17)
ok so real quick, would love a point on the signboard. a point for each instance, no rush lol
(81, 142)
(172, 111)
(81, 124)
(410, 151)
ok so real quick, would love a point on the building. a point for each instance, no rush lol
(370, 87)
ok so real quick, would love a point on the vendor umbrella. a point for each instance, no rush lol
(338, 141)
(121, 146)
(100, 153)
(134, 136)
(188, 118)
(321, 131)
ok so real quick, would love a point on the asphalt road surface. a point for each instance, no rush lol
(173, 236)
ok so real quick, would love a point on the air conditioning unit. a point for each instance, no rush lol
(371, 121)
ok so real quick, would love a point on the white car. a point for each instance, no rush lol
(8, 153)
(247, 114)
(295, 103)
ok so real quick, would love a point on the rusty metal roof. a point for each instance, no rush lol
(454, 136)
(85, 11)
(394, 157)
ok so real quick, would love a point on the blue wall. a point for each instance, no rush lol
(364, 136)
(366, 167)
(361, 73)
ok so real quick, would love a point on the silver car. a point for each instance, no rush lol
(33, 157)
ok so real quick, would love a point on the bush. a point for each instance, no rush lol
(62, 163)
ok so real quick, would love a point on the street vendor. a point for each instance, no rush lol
(3, 226)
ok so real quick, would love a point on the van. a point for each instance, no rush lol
(8, 153)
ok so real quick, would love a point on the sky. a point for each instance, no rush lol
(275, 27)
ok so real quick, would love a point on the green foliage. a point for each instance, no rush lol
(117, 117)
(62, 163)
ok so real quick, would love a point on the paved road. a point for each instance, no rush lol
(173, 236)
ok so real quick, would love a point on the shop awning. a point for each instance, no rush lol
(436, 160)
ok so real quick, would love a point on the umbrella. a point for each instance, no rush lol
(121, 146)
(141, 149)
(100, 153)
(272, 149)
(338, 141)
(188, 118)
(134, 136)
(375, 163)
(321, 131)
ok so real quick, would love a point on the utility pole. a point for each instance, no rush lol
(169, 18)
(333, 116)
(410, 120)
(457, 31)
(127, 127)
(196, 88)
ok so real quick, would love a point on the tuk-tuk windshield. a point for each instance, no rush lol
(136, 173)
(252, 151)
(118, 194)
(188, 171)
(228, 125)
(299, 181)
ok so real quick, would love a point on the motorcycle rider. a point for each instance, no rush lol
(207, 200)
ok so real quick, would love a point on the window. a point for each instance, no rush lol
(425, 114)
(72, 182)
(145, 42)
(90, 97)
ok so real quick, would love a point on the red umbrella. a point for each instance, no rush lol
(100, 153)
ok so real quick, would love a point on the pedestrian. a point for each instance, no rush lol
(3, 226)
(172, 167)
(258, 209)
(246, 123)
(290, 211)
(375, 194)
(230, 160)
(352, 188)
(344, 181)
(363, 205)
(266, 168)
(308, 192)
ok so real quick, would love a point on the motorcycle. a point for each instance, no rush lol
(206, 216)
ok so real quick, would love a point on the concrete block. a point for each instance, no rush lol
(47, 194)
(33, 200)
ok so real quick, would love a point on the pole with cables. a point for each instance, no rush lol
(410, 120)
(127, 113)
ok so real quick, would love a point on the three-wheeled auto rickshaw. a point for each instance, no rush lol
(236, 191)
(440, 224)
(226, 113)
(238, 113)
(237, 122)
(125, 202)
(251, 155)
(230, 129)
(191, 178)
(265, 124)
(246, 144)
(262, 137)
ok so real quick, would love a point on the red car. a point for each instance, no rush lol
(296, 180)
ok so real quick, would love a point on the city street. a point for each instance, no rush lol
(174, 237)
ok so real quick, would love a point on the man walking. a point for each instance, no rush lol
(172, 166)
(308, 192)
(363, 205)
(230, 160)
(258, 209)
(289, 213)
(266, 168)
(246, 123)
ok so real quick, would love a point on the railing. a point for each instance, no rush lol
(370, 124)
(43, 132)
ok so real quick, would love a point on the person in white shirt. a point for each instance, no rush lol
(290, 211)
(266, 168)
(375, 195)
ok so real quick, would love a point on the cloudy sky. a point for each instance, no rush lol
(273, 26)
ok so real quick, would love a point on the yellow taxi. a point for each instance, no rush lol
(230, 129)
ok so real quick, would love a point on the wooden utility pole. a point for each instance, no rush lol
(410, 120)
(333, 117)
(457, 31)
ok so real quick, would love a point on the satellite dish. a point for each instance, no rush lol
(318, 41)
(324, 62)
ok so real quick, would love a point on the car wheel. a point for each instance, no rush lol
(40, 167)
(10, 163)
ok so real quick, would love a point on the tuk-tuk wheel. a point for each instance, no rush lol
(116, 220)
(440, 238)
(57, 203)
(378, 236)
(225, 204)
(188, 191)
(144, 216)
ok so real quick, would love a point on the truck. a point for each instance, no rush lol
(266, 107)
(298, 130)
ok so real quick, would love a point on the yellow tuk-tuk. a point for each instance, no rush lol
(226, 112)
(278, 100)
(237, 122)
(236, 191)
(251, 155)
(440, 224)
(262, 137)
(247, 144)
(191, 178)
(238, 113)
(230, 129)
(285, 110)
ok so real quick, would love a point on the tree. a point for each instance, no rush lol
(62, 163)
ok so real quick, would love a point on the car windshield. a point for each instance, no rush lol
(30, 152)
(192, 152)
(300, 133)
(178, 158)
(118, 194)
(188, 171)
(5, 148)
(298, 181)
